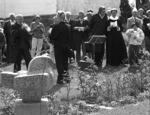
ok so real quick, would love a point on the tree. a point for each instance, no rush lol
(125, 10)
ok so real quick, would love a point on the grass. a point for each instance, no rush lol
(118, 88)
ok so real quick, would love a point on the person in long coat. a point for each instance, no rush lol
(116, 49)
(9, 38)
(60, 37)
(98, 26)
(22, 42)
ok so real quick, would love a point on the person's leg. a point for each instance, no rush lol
(8, 53)
(66, 77)
(39, 46)
(18, 58)
(59, 62)
(78, 53)
(1, 55)
(27, 57)
(99, 54)
(137, 48)
(34, 46)
(147, 43)
(132, 55)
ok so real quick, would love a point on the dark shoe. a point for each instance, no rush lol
(67, 80)
(61, 82)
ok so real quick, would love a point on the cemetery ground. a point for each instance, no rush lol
(116, 91)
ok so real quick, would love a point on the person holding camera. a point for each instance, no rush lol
(38, 31)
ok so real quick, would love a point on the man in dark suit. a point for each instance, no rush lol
(9, 39)
(22, 42)
(98, 27)
(60, 37)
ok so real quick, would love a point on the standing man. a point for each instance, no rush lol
(9, 39)
(60, 36)
(98, 27)
(22, 38)
(38, 31)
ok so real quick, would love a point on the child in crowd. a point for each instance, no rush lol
(135, 38)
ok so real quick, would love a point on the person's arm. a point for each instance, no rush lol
(33, 27)
(141, 35)
(128, 34)
(43, 29)
(140, 23)
(54, 34)
(128, 23)
(5, 29)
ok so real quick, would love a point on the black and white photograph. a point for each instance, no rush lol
(74, 57)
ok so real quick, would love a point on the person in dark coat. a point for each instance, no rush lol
(60, 37)
(116, 49)
(22, 42)
(146, 29)
(2, 43)
(80, 35)
(9, 39)
(98, 27)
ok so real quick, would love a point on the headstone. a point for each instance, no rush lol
(43, 64)
(31, 87)
(40, 108)
(7, 79)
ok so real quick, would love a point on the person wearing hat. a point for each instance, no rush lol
(134, 19)
(116, 52)
(146, 29)
(135, 38)
(38, 31)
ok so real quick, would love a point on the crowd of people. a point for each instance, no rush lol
(89, 35)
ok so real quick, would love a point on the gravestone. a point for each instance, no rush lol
(43, 64)
(7, 79)
(33, 85)
(31, 108)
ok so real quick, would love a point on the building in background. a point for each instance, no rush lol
(83, 5)
(46, 7)
(27, 7)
